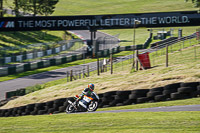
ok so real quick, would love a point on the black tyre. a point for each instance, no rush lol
(157, 89)
(35, 112)
(100, 105)
(121, 97)
(49, 104)
(135, 96)
(26, 113)
(190, 84)
(46, 108)
(119, 104)
(172, 86)
(198, 87)
(40, 106)
(105, 99)
(100, 95)
(62, 109)
(70, 109)
(92, 106)
(21, 110)
(41, 112)
(51, 110)
(195, 93)
(142, 100)
(130, 101)
(60, 102)
(3, 112)
(109, 94)
(154, 93)
(104, 103)
(177, 95)
(12, 111)
(186, 90)
(57, 112)
(168, 92)
(159, 98)
(113, 103)
(30, 107)
(140, 91)
(123, 93)
(7, 114)
(105, 106)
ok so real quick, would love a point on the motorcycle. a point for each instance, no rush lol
(85, 104)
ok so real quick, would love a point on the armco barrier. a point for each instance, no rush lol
(113, 98)
(35, 54)
(36, 65)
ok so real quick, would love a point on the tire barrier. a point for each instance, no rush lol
(173, 91)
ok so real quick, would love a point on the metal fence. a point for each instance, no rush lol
(121, 63)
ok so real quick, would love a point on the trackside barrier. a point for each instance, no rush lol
(173, 91)
(64, 45)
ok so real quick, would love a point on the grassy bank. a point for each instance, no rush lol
(184, 68)
(90, 7)
(137, 122)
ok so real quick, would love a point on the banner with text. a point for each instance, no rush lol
(99, 22)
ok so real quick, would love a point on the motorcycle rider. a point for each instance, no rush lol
(88, 92)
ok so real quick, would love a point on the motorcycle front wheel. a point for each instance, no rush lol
(93, 106)
(70, 109)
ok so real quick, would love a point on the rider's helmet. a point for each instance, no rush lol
(91, 86)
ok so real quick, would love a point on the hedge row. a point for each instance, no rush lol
(113, 98)
(19, 92)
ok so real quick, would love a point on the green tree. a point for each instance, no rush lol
(1, 8)
(35, 7)
(195, 2)
(47, 7)
(42, 7)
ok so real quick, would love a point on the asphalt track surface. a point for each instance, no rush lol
(155, 109)
(23, 82)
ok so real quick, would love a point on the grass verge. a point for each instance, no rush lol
(136, 122)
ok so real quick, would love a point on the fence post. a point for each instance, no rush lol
(111, 64)
(167, 56)
(98, 73)
(83, 73)
(79, 74)
(71, 75)
(88, 70)
(136, 60)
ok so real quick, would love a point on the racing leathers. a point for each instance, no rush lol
(89, 93)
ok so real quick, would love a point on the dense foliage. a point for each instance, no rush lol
(35, 7)
(196, 2)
